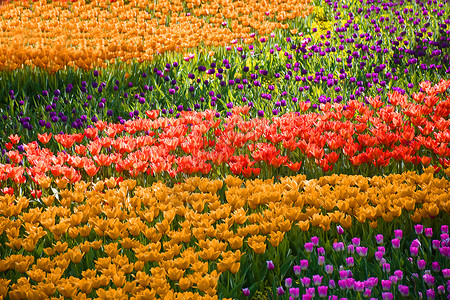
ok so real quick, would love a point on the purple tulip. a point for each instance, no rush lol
(418, 228)
(280, 291)
(379, 238)
(270, 265)
(304, 264)
(317, 279)
(395, 243)
(428, 279)
(246, 291)
(294, 292)
(306, 281)
(309, 247)
(421, 264)
(404, 290)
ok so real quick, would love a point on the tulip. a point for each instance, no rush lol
(428, 279)
(421, 264)
(304, 264)
(270, 265)
(398, 234)
(294, 292)
(322, 291)
(396, 243)
(309, 247)
(280, 291)
(362, 251)
(246, 291)
(317, 279)
(431, 294)
(306, 281)
(428, 232)
(297, 270)
(288, 282)
(350, 261)
(320, 260)
(404, 290)
(418, 228)
(435, 266)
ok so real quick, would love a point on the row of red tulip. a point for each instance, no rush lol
(198, 142)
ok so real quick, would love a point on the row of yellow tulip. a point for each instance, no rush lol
(184, 236)
(62, 33)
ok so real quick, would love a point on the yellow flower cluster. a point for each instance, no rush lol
(122, 239)
(78, 34)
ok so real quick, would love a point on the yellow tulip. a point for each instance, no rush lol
(45, 182)
(36, 275)
(304, 225)
(85, 285)
(276, 238)
(118, 279)
(175, 274)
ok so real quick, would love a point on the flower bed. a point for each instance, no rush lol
(211, 237)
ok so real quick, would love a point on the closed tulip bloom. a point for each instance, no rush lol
(398, 234)
(315, 240)
(404, 290)
(329, 269)
(362, 251)
(418, 228)
(304, 264)
(270, 265)
(421, 264)
(435, 266)
(428, 279)
(359, 286)
(386, 285)
(306, 281)
(294, 292)
(431, 294)
(309, 247)
(321, 260)
(280, 291)
(350, 261)
(379, 239)
(332, 284)
(428, 232)
(395, 243)
(399, 274)
(288, 282)
(322, 290)
(246, 291)
(317, 279)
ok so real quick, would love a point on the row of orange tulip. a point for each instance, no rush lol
(185, 236)
(59, 34)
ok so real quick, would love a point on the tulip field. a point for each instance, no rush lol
(225, 149)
